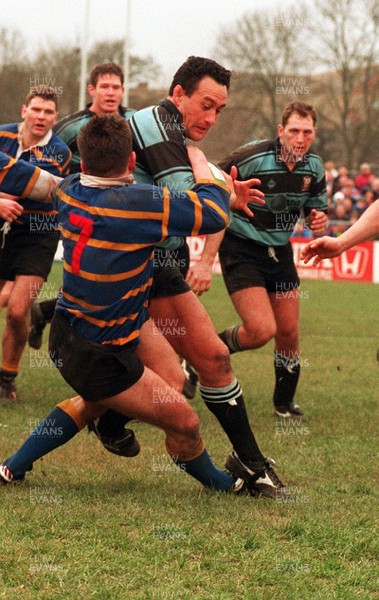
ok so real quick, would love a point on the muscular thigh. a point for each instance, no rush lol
(254, 308)
(285, 306)
(158, 355)
(152, 401)
(25, 289)
(186, 325)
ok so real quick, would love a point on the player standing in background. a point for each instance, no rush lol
(256, 255)
(106, 88)
(29, 230)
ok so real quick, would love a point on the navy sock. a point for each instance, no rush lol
(55, 430)
(203, 469)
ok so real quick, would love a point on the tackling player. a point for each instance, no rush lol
(109, 229)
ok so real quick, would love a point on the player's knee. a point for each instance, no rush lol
(289, 336)
(220, 356)
(189, 424)
(16, 317)
(259, 335)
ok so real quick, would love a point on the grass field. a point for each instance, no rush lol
(89, 525)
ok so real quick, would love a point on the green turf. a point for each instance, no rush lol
(87, 524)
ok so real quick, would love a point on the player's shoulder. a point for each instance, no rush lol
(9, 128)
(57, 141)
(73, 121)
(315, 161)
(143, 114)
(126, 112)
(249, 152)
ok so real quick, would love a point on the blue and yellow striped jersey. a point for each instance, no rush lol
(53, 157)
(108, 239)
(287, 192)
(17, 177)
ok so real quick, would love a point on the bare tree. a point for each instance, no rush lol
(14, 74)
(267, 52)
(345, 44)
(141, 69)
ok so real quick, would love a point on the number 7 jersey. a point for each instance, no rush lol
(109, 235)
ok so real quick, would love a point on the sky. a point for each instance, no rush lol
(167, 30)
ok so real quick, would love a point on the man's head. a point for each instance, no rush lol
(105, 146)
(199, 90)
(39, 113)
(297, 130)
(365, 169)
(106, 88)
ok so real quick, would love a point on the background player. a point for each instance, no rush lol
(30, 235)
(106, 88)
(256, 256)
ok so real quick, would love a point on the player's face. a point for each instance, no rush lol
(202, 108)
(107, 94)
(296, 136)
(39, 117)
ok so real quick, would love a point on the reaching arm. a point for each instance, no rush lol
(199, 275)
(22, 179)
(326, 247)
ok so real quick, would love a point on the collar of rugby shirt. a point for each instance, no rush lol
(43, 142)
(104, 182)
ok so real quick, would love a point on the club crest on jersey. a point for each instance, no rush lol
(307, 180)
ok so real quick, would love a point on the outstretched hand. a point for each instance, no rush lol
(243, 193)
(324, 247)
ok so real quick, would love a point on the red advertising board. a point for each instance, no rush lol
(356, 264)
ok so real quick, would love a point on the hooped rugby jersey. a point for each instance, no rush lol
(287, 192)
(51, 155)
(108, 238)
(160, 146)
(69, 127)
(17, 177)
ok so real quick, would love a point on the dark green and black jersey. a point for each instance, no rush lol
(287, 192)
(69, 127)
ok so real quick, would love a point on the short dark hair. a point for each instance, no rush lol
(196, 68)
(105, 144)
(108, 68)
(42, 91)
(301, 108)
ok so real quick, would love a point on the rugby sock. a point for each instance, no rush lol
(202, 468)
(112, 424)
(55, 430)
(287, 373)
(10, 369)
(228, 406)
(230, 338)
(8, 375)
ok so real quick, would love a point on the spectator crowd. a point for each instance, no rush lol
(348, 195)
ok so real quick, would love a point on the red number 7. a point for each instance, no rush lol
(86, 228)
